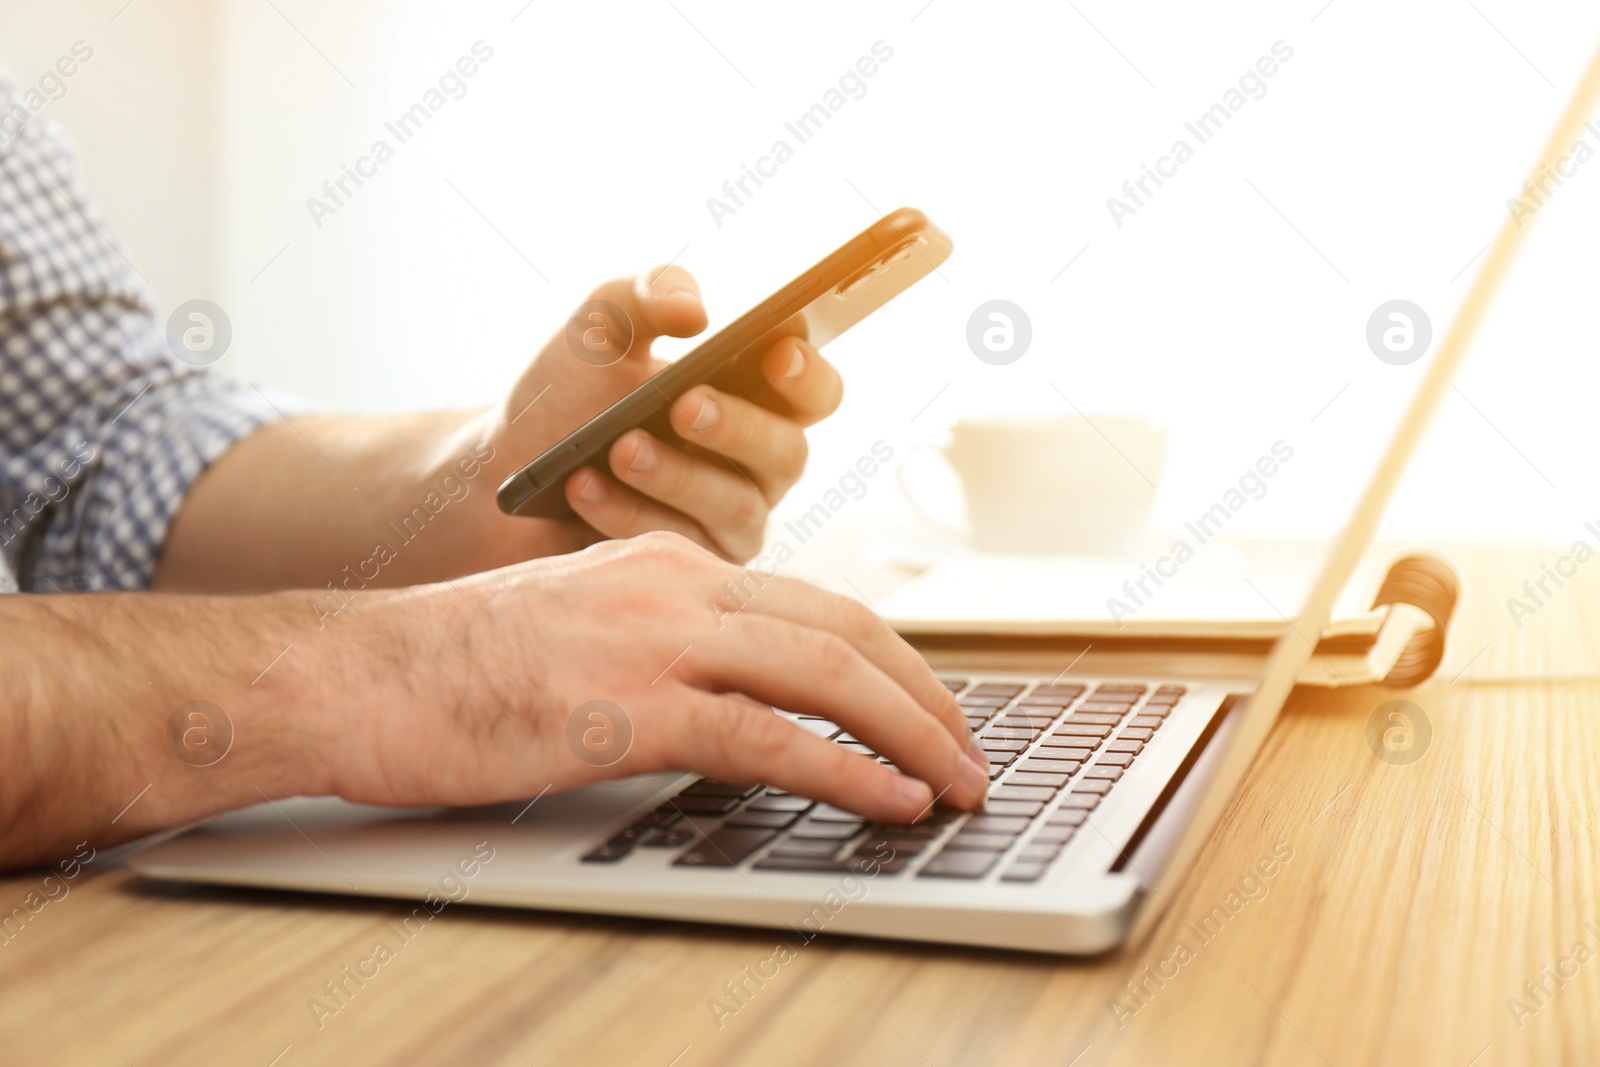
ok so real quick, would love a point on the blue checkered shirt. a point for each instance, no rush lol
(102, 429)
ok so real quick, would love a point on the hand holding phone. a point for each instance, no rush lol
(818, 305)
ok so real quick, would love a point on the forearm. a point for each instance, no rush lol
(353, 501)
(93, 720)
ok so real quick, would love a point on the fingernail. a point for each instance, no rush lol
(644, 457)
(592, 490)
(708, 414)
(681, 294)
(975, 778)
(911, 791)
(797, 363)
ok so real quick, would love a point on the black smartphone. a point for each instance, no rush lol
(825, 300)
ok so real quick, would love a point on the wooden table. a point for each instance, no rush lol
(1418, 901)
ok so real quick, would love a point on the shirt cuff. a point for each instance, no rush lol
(125, 478)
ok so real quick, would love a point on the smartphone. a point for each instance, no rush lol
(821, 303)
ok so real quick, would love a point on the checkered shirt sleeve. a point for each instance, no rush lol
(102, 429)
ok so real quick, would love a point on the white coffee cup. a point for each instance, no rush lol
(1069, 484)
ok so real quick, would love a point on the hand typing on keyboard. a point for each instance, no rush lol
(647, 626)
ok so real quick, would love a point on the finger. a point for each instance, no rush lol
(809, 385)
(770, 448)
(725, 503)
(865, 629)
(617, 511)
(660, 302)
(812, 671)
(737, 740)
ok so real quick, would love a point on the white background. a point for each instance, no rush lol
(1232, 307)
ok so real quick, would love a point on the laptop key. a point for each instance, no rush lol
(1056, 749)
(771, 820)
(707, 787)
(1023, 777)
(1083, 801)
(1110, 774)
(994, 824)
(1002, 744)
(1025, 808)
(1125, 744)
(1073, 817)
(1065, 690)
(829, 813)
(1018, 733)
(1136, 733)
(955, 685)
(1073, 728)
(997, 689)
(981, 842)
(1094, 718)
(1023, 871)
(703, 805)
(1152, 722)
(948, 864)
(1093, 785)
(1021, 792)
(676, 837)
(1112, 707)
(726, 847)
(835, 831)
(791, 847)
(787, 802)
(1114, 759)
(1042, 765)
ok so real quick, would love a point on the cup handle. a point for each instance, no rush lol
(917, 509)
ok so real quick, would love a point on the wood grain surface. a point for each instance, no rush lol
(1421, 909)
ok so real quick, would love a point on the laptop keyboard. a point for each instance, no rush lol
(1055, 751)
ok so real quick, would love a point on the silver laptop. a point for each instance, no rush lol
(1105, 786)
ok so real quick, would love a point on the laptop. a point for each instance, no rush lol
(1105, 787)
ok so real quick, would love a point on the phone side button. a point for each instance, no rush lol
(797, 293)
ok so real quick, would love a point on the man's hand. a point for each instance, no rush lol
(644, 625)
(380, 502)
(651, 484)
(458, 693)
